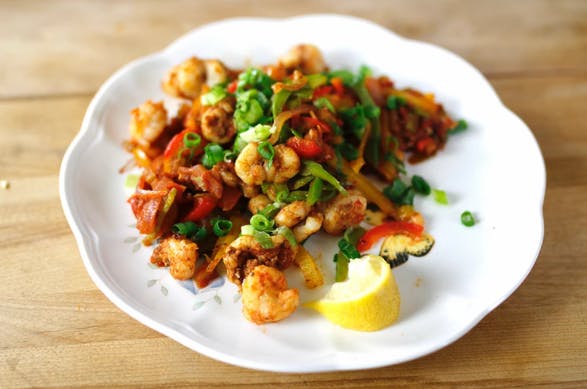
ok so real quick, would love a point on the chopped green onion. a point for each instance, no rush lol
(281, 192)
(408, 197)
(353, 234)
(190, 230)
(213, 153)
(323, 102)
(396, 190)
(131, 181)
(460, 127)
(270, 210)
(328, 193)
(420, 185)
(440, 196)
(215, 94)
(221, 227)
(229, 156)
(258, 133)
(397, 163)
(191, 140)
(315, 191)
(394, 102)
(351, 237)
(262, 237)
(348, 151)
(301, 182)
(348, 249)
(296, 195)
(342, 267)
(467, 219)
(287, 234)
(261, 223)
(317, 170)
(267, 151)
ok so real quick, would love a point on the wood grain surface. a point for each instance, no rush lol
(58, 330)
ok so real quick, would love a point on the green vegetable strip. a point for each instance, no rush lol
(373, 143)
(267, 151)
(342, 267)
(347, 245)
(216, 94)
(440, 196)
(316, 170)
(278, 101)
(315, 191)
(348, 249)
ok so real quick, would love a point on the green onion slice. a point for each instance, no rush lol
(190, 230)
(221, 227)
(262, 237)
(287, 234)
(261, 222)
(267, 151)
(467, 219)
(191, 140)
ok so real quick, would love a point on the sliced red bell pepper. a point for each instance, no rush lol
(305, 148)
(322, 91)
(390, 228)
(203, 205)
(176, 144)
(310, 122)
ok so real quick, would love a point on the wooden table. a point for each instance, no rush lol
(58, 329)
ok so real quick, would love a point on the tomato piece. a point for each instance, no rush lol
(371, 237)
(203, 205)
(305, 148)
(229, 199)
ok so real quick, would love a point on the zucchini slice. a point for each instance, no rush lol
(396, 249)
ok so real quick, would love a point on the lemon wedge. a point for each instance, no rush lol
(368, 300)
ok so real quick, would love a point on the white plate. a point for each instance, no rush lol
(494, 169)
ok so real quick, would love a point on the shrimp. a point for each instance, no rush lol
(249, 165)
(307, 58)
(217, 123)
(344, 211)
(245, 252)
(292, 214)
(284, 166)
(180, 254)
(311, 225)
(147, 122)
(257, 203)
(186, 79)
(266, 297)
(226, 172)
